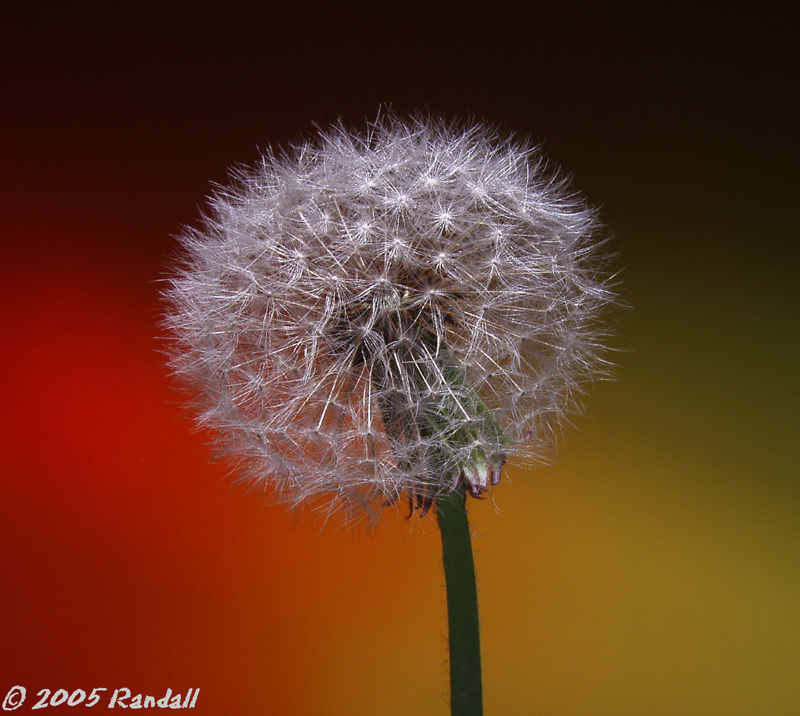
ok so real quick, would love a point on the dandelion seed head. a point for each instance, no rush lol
(395, 311)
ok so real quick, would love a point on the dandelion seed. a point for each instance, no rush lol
(386, 313)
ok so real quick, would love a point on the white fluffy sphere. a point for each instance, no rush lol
(395, 311)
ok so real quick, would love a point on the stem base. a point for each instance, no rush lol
(466, 693)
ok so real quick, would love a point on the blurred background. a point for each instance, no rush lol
(653, 569)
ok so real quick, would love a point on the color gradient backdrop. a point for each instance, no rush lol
(653, 569)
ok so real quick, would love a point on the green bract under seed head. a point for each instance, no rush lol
(386, 312)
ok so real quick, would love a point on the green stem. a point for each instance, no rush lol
(462, 606)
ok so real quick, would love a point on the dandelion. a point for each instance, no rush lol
(389, 313)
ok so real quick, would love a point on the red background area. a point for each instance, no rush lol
(653, 569)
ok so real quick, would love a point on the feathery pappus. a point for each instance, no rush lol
(389, 312)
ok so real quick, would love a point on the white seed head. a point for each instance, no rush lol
(387, 312)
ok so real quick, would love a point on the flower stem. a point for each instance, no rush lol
(462, 605)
